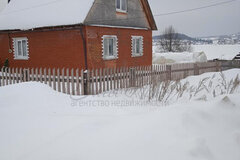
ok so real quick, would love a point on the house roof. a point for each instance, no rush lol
(28, 14)
(149, 14)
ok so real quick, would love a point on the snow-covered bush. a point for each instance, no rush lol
(167, 92)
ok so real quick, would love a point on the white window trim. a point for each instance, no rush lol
(141, 46)
(115, 48)
(121, 10)
(15, 49)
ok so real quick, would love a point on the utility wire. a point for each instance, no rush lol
(194, 9)
(169, 13)
(124, 19)
(36, 6)
(55, 1)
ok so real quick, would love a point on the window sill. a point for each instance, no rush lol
(109, 58)
(137, 55)
(21, 58)
(119, 11)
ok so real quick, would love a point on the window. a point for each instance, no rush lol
(121, 5)
(110, 47)
(137, 46)
(20, 46)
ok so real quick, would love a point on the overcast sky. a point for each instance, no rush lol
(218, 20)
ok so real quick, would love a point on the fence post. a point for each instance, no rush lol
(54, 78)
(40, 75)
(32, 75)
(58, 79)
(151, 74)
(25, 75)
(117, 78)
(218, 66)
(77, 83)
(17, 76)
(72, 82)
(196, 69)
(14, 76)
(127, 77)
(111, 78)
(85, 82)
(6, 75)
(169, 72)
(93, 82)
(132, 77)
(2, 72)
(97, 81)
(27, 72)
(68, 81)
(36, 74)
(49, 78)
(45, 75)
(100, 80)
(21, 75)
(63, 81)
(10, 75)
(107, 75)
(104, 80)
(82, 82)
(121, 77)
(114, 78)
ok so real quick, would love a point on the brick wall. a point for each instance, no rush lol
(94, 45)
(46, 49)
(65, 48)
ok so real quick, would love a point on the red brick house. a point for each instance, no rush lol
(76, 33)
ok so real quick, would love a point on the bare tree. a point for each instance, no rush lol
(171, 42)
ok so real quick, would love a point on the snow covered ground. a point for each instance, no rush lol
(39, 123)
(183, 57)
(226, 52)
(200, 53)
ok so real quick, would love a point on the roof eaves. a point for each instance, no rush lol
(149, 14)
(47, 28)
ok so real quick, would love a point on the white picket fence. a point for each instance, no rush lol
(91, 82)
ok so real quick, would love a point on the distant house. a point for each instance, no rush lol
(76, 33)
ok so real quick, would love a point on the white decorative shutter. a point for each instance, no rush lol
(24, 47)
(134, 46)
(115, 47)
(141, 46)
(105, 47)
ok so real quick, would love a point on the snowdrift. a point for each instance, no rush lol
(39, 123)
(183, 57)
(222, 52)
(211, 52)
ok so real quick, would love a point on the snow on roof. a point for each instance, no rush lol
(29, 14)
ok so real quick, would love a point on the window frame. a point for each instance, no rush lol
(106, 56)
(134, 46)
(18, 56)
(121, 7)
